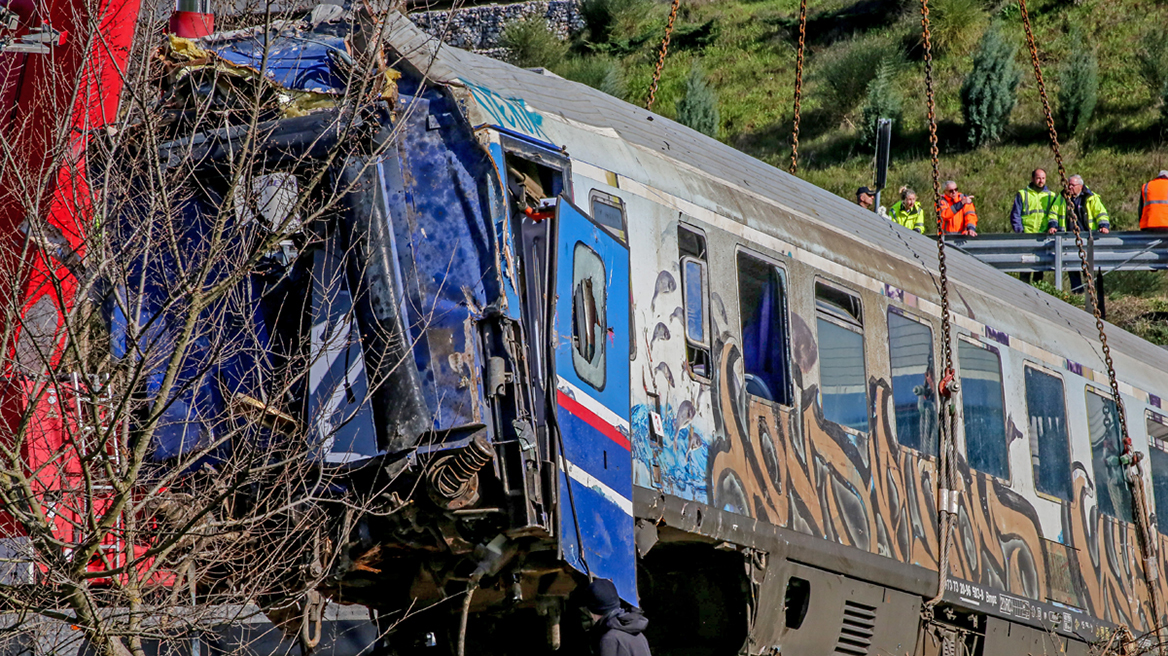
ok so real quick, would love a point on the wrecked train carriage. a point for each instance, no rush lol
(760, 470)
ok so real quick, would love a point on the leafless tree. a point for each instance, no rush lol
(157, 473)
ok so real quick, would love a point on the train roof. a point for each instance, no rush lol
(983, 293)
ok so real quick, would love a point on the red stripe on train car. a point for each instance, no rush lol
(592, 419)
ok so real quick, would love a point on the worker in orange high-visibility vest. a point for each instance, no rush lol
(1154, 204)
(957, 213)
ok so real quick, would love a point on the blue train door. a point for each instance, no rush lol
(592, 400)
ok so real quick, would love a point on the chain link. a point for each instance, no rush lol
(947, 344)
(798, 84)
(1136, 482)
(946, 465)
(661, 57)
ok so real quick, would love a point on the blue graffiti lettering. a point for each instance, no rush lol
(510, 113)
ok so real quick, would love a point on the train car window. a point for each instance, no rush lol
(609, 212)
(1158, 463)
(691, 247)
(589, 318)
(843, 389)
(910, 354)
(1050, 446)
(762, 306)
(983, 404)
(1158, 455)
(1111, 489)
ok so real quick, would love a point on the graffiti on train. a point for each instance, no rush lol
(791, 467)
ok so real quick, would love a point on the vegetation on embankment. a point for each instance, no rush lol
(746, 49)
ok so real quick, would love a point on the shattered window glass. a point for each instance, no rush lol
(270, 199)
(1050, 447)
(1111, 491)
(762, 305)
(589, 320)
(1158, 456)
(910, 353)
(983, 406)
(843, 388)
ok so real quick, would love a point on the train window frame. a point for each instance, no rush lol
(697, 353)
(1089, 391)
(976, 343)
(1158, 445)
(850, 319)
(594, 370)
(1033, 440)
(599, 197)
(930, 454)
(784, 293)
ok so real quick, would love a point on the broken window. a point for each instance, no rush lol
(589, 320)
(1050, 447)
(1114, 497)
(762, 306)
(843, 391)
(1158, 457)
(983, 406)
(910, 354)
(691, 246)
(609, 212)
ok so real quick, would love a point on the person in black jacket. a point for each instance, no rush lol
(615, 631)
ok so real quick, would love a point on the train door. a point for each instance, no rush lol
(592, 399)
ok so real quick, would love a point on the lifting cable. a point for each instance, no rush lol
(798, 84)
(1130, 459)
(661, 57)
(946, 459)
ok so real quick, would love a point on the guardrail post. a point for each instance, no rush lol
(1058, 261)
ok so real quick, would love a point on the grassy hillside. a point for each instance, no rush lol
(747, 50)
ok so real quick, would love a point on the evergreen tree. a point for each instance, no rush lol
(883, 100)
(990, 89)
(1152, 59)
(1164, 103)
(530, 43)
(1078, 87)
(698, 107)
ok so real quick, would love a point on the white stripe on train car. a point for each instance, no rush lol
(589, 481)
(592, 405)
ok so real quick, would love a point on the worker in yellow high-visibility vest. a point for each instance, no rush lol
(1031, 212)
(908, 212)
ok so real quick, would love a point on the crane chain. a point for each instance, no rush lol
(661, 57)
(1136, 481)
(798, 84)
(946, 465)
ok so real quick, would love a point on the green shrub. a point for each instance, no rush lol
(698, 106)
(1078, 86)
(599, 17)
(530, 43)
(845, 71)
(597, 72)
(884, 100)
(1152, 60)
(990, 89)
(1164, 103)
(956, 25)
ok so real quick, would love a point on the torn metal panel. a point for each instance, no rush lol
(366, 236)
(442, 216)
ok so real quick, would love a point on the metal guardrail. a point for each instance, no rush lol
(1116, 251)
